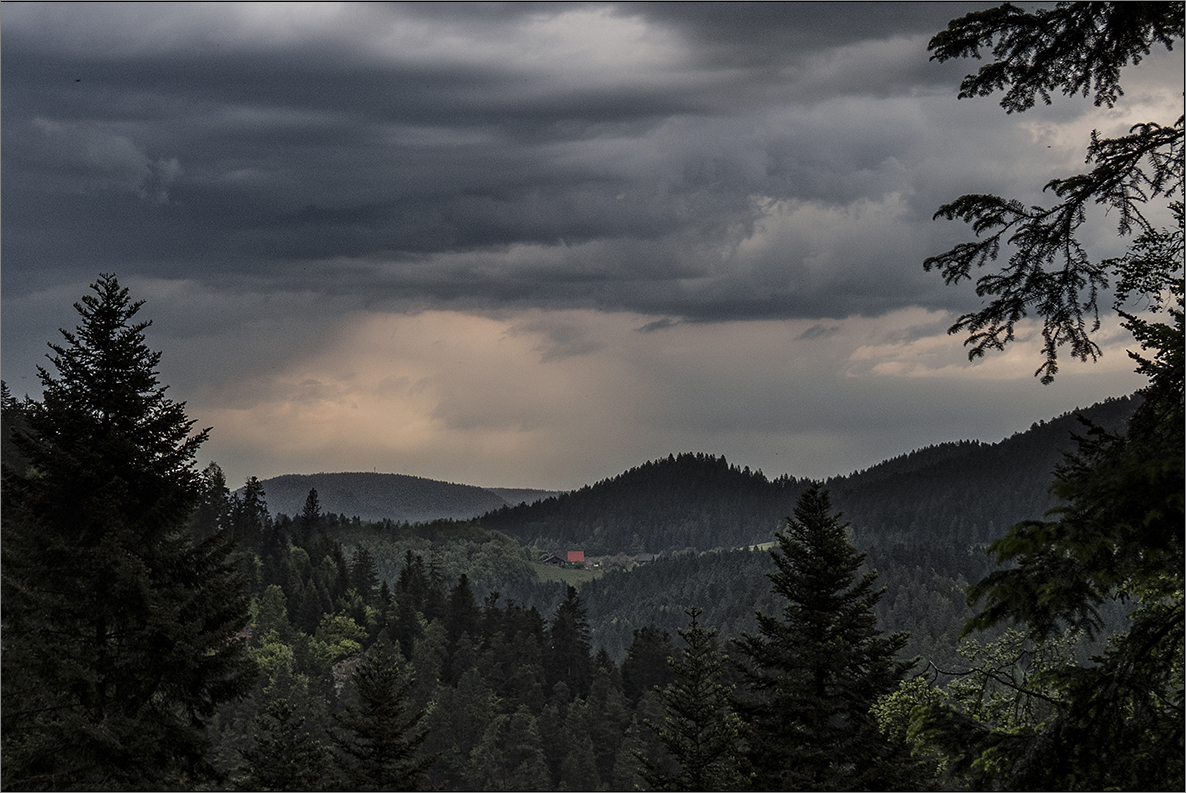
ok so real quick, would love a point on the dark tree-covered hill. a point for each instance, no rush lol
(394, 497)
(522, 495)
(968, 490)
(374, 496)
(964, 489)
(681, 501)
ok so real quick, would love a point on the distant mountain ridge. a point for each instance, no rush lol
(965, 489)
(969, 489)
(398, 497)
(689, 500)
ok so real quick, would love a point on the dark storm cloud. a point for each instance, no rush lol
(761, 34)
(525, 244)
(422, 155)
(659, 324)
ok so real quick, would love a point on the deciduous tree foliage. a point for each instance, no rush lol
(119, 632)
(1005, 698)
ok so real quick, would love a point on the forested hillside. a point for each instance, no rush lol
(323, 619)
(162, 632)
(924, 518)
(967, 492)
(699, 501)
(685, 501)
(375, 496)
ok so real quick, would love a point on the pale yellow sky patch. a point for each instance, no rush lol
(559, 399)
(408, 392)
(939, 355)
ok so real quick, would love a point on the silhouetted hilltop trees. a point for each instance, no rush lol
(12, 421)
(375, 496)
(966, 490)
(681, 501)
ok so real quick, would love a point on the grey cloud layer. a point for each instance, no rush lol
(191, 143)
(295, 188)
(688, 162)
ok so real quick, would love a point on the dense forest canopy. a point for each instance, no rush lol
(161, 631)
(701, 501)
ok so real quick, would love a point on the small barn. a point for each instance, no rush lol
(576, 556)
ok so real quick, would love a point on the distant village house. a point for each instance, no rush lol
(571, 558)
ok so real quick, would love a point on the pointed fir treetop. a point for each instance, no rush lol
(121, 636)
(813, 673)
(107, 377)
(379, 739)
(106, 430)
(701, 731)
(311, 514)
(817, 565)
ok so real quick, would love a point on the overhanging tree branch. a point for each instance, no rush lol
(1050, 273)
(1075, 48)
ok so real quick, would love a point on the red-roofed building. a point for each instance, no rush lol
(576, 556)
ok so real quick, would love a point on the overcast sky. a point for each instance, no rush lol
(521, 245)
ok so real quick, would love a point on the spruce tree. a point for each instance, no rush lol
(12, 422)
(569, 659)
(120, 635)
(812, 676)
(412, 583)
(701, 731)
(284, 754)
(378, 743)
(1115, 536)
(578, 769)
(310, 521)
(1117, 532)
(646, 664)
(364, 575)
(510, 755)
(213, 512)
(462, 615)
(1072, 48)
